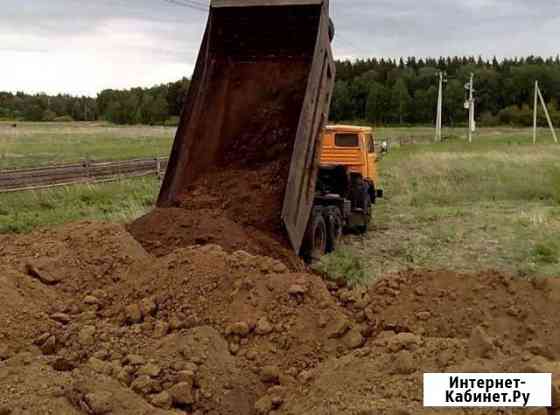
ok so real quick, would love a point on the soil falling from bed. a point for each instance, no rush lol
(236, 199)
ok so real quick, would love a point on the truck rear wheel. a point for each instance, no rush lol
(315, 244)
(361, 200)
(367, 219)
(335, 226)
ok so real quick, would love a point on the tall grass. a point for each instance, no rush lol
(440, 177)
(493, 204)
(39, 144)
(343, 264)
(117, 202)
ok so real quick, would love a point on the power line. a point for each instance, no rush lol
(191, 4)
(205, 4)
(134, 7)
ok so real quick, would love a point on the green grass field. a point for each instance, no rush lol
(115, 202)
(40, 144)
(493, 204)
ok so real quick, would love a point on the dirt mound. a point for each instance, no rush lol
(385, 377)
(66, 254)
(162, 231)
(434, 322)
(30, 385)
(237, 207)
(235, 190)
(198, 329)
(109, 328)
(24, 301)
(443, 304)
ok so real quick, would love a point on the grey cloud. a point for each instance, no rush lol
(49, 20)
(365, 28)
(67, 17)
(436, 27)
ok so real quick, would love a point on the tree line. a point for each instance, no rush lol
(42, 107)
(157, 105)
(404, 91)
(376, 91)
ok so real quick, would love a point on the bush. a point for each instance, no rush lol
(64, 118)
(514, 115)
(489, 120)
(546, 252)
(48, 115)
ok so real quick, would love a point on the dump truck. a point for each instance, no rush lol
(261, 92)
(347, 187)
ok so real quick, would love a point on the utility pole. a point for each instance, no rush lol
(538, 95)
(535, 111)
(439, 116)
(472, 127)
(85, 109)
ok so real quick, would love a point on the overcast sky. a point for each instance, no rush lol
(84, 46)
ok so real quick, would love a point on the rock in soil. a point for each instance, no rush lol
(264, 405)
(480, 343)
(41, 270)
(100, 403)
(182, 393)
(162, 400)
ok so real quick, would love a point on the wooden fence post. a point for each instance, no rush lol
(158, 167)
(87, 167)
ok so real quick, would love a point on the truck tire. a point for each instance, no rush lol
(361, 199)
(335, 227)
(316, 236)
(362, 229)
(372, 192)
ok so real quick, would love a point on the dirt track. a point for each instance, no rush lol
(91, 323)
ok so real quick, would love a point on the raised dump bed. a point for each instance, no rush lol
(250, 131)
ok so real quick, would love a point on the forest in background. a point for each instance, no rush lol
(389, 92)
(376, 91)
(153, 106)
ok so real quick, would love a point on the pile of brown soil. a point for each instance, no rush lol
(91, 323)
(235, 190)
(236, 209)
(425, 322)
(162, 231)
(229, 326)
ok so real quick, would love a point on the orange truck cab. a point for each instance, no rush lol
(353, 147)
(346, 189)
